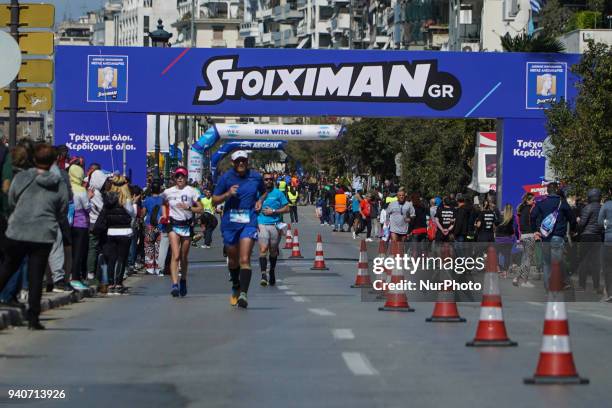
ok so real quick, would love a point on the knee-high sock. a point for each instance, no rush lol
(235, 275)
(263, 263)
(245, 279)
(273, 263)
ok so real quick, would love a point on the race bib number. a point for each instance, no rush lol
(240, 216)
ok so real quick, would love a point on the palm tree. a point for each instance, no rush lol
(531, 43)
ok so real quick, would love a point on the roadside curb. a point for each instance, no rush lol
(14, 316)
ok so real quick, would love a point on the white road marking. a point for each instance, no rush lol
(283, 287)
(299, 299)
(358, 364)
(591, 314)
(343, 334)
(598, 316)
(290, 293)
(321, 312)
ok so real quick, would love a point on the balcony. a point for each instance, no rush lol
(323, 27)
(302, 29)
(340, 23)
(249, 29)
(302, 4)
(286, 12)
(264, 14)
(286, 38)
(265, 39)
(219, 43)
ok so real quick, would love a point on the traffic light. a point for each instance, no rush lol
(28, 91)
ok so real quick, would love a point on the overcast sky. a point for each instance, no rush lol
(73, 8)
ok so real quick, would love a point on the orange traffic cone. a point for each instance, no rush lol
(319, 262)
(295, 252)
(556, 364)
(397, 301)
(288, 239)
(445, 309)
(362, 280)
(491, 329)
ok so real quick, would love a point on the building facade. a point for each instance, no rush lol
(104, 28)
(138, 17)
(76, 32)
(217, 24)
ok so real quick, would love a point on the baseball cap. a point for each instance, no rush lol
(181, 171)
(239, 154)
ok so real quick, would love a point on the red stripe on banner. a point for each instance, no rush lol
(556, 327)
(181, 55)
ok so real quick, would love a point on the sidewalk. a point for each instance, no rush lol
(13, 316)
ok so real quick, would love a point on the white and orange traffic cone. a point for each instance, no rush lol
(288, 239)
(556, 363)
(397, 301)
(295, 252)
(491, 329)
(319, 261)
(362, 280)
(445, 309)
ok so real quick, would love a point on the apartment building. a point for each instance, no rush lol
(76, 32)
(456, 25)
(138, 17)
(216, 23)
(104, 27)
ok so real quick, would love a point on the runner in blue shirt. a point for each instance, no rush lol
(270, 226)
(242, 190)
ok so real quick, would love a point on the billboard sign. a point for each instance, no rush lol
(365, 83)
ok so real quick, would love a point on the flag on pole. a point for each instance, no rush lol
(536, 5)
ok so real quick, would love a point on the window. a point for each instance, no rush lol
(217, 33)
(146, 40)
(146, 24)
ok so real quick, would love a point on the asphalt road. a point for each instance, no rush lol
(308, 342)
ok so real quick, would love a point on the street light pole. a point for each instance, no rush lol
(350, 24)
(156, 176)
(159, 38)
(14, 91)
(192, 128)
(193, 15)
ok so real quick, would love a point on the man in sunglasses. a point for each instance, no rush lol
(270, 227)
(243, 191)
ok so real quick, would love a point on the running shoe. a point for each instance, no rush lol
(527, 284)
(369, 240)
(183, 287)
(354, 235)
(59, 286)
(234, 297)
(242, 300)
(78, 285)
(272, 280)
(175, 290)
(264, 280)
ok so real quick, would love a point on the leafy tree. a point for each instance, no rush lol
(436, 154)
(555, 18)
(581, 130)
(531, 43)
(586, 20)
